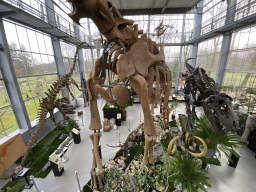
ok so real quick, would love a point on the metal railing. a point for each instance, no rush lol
(243, 9)
(39, 10)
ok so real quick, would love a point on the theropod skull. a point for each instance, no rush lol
(106, 17)
(219, 111)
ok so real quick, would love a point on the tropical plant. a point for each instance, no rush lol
(187, 171)
(71, 124)
(225, 143)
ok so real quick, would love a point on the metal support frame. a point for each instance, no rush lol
(56, 47)
(182, 41)
(50, 15)
(80, 55)
(220, 73)
(148, 25)
(90, 43)
(59, 63)
(11, 83)
(197, 32)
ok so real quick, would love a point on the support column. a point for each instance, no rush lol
(56, 46)
(197, 32)
(80, 55)
(90, 40)
(225, 44)
(59, 63)
(11, 83)
(148, 25)
(182, 41)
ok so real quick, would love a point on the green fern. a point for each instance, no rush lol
(187, 171)
(225, 143)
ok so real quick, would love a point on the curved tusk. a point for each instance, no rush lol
(171, 144)
(174, 149)
(184, 149)
(197, 154)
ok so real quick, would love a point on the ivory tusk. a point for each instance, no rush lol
(171, 144)
(197, 154)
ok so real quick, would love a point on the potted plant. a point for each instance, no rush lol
(225, 143)
(186, 170)
(112, 111)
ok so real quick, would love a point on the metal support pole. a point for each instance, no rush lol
(50, 12)
(90, 40)
(225, 44)
(33, 180)
(11, 83)
(59, 63)
(182, 41)
(81, 67)
(197, 32)
(79, 187)
(148, 25)
(56, 45)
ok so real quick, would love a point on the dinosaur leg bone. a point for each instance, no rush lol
(94, 180)
(139, 84)
(95, 123)
(151, 157)
(99, 175)
(95, 137)
(148, 140)
(104, 94)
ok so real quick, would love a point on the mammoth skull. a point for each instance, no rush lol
(219, 111)
(175, 131)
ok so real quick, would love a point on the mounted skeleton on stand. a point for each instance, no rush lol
(201, 90)
(133, 59)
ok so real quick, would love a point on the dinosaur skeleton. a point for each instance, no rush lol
(201, 90)
(131, 58)
(50, 102)
(251, 120)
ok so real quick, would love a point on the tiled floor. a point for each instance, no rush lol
(223, 178)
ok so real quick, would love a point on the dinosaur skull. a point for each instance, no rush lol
(97, 10)
(108, 20)
(220, 112)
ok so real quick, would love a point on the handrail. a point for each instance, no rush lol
(40, 12)
(243, 9)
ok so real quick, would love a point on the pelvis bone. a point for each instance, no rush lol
(137, 60)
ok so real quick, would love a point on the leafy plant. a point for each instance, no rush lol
(116, 180)
(147, 183)
(225, 143)
(107, 108)
(236, 107)
(186, 170)
(71, 124)
(242, 117)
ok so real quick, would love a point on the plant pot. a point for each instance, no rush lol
(110, 114)
(210, 152)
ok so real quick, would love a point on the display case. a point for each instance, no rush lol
(56, 164)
